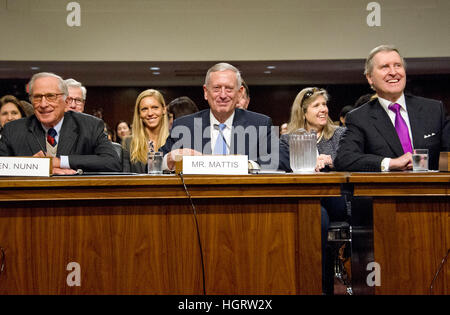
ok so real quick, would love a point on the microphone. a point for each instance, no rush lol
(37, 140)
(216, 126)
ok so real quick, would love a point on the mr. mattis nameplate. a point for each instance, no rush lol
(215, 164)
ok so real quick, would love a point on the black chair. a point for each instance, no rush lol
(118, 148)
(339, 244)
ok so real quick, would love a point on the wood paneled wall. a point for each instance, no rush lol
(275, 101)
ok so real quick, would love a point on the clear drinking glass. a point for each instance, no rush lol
(155, 160)
(420, 160)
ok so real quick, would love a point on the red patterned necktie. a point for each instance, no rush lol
(401, 128)
(51, 137)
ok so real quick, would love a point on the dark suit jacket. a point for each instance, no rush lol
(370, 136)
(82, 138)
(251, 135)
(127, 166)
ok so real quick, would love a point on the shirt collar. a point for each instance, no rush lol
(385, 103)
(214, 121)
(57, 127)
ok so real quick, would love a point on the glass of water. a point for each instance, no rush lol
(155, 160)
(420, 160)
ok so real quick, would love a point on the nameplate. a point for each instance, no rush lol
(215, 164)
(25, 166)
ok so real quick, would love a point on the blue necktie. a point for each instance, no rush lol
(51, 137)
(221, 145)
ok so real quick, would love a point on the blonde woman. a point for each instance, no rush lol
(150, 129)
(310, 111)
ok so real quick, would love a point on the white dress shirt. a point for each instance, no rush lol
(404, 112)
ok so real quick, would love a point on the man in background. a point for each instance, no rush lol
(77, 96)
(245, 99)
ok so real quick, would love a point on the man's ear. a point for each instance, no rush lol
(369, 79)
(205, 92)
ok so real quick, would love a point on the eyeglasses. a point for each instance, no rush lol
(78, 101)
(50, 97)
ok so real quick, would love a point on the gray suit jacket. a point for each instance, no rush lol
(370, 136)
(82, 139)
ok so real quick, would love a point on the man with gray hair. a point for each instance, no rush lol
(77, 96)
(382, 133)
(74, 140)
(223, 128)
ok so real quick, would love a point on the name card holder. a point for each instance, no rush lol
(215, 164)
(444, 162)
(25, 166)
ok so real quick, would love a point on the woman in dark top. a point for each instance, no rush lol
(10, 109)
(310, 111)
(150, 129)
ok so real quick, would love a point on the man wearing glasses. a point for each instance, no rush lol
(77, 96)
(75, 140)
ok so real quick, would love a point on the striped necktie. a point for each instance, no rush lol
(51, 137)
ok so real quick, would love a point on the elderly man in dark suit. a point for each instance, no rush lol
(225, 129)
(75, 140)
(382, 133)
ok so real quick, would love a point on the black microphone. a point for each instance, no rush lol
(37, 140)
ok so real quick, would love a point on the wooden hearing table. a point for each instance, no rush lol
(411, 229)
(136, 234)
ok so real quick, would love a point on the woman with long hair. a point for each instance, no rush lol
(310, 111)
(150, 129)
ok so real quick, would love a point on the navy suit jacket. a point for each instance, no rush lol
(370, 136)
(82, 139)
(251, 136)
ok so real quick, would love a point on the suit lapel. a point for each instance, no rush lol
(414, 113)
(205, 128)
(68, 135)
(36, 140)
(238, 120)
(383, 124)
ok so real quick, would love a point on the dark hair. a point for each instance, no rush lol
(12, 99)
(363, 99)
(182, 106)
(114, 132)
(345, 110)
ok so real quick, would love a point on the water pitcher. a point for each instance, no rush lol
(303, 151)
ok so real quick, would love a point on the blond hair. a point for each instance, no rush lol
(139, 139)
(300, 106)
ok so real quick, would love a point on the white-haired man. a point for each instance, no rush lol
(77, 96)
(75, 140)
(225, 129)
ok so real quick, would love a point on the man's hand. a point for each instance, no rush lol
(175, 155)
(401, 163)
(63, 171)
(56, 163)
(322, 161)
